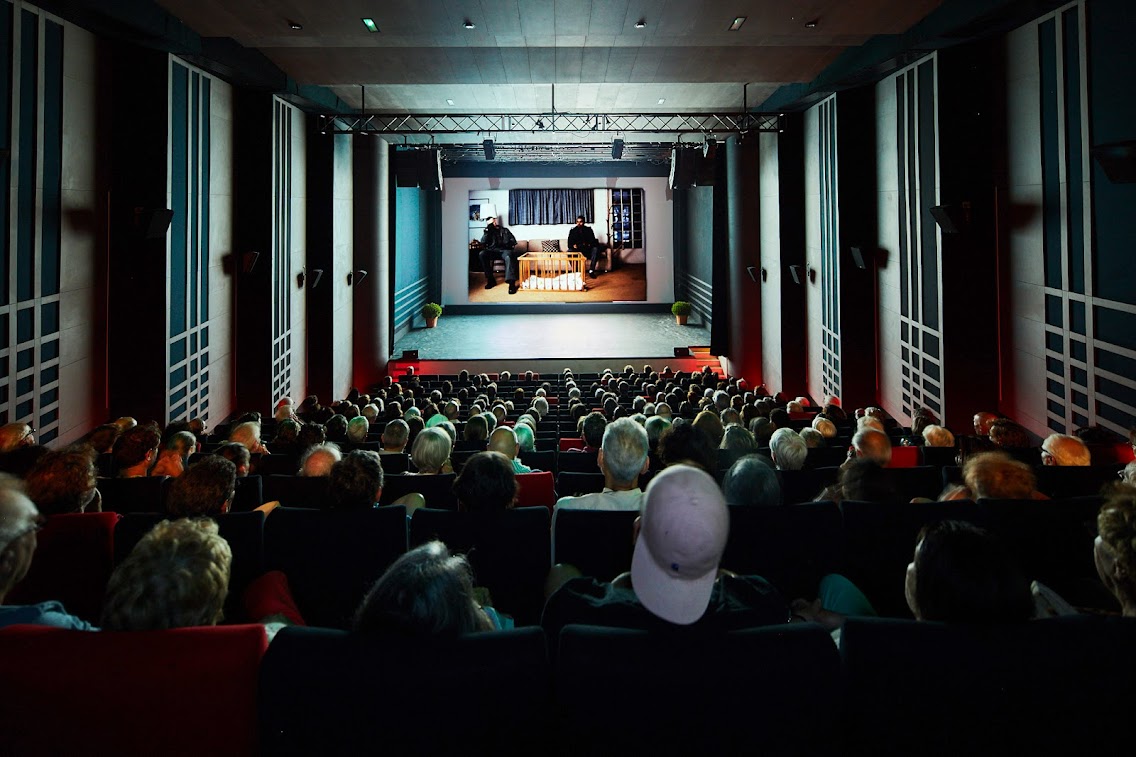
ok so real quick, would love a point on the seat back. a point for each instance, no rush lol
(72, 563)
(243, 531)
(134, 495)
(68, 692)
(920, 481)
(536, 490)
(1042, 687)
(329, 692)
(805, 485)
(438, 489)
(1061, 482)
(298, 491)
(249, 494)
(598, 542)
(275, 465)
(332, 558)
(545, 461)
(571, 442)
(394, 462)
(905, 457)
(792, 546)
(509, 554)
(742, 692)
(577, 462)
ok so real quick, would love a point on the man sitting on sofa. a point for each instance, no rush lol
(582, 239)
(499, 242)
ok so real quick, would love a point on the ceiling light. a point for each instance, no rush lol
(737, 23)
(295, 26)
(449, 101)
(371, 25)
(469, 24)
(640, 24)
(812, 24)
(662, 100)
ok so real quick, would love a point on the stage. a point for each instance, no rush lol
(578, 341)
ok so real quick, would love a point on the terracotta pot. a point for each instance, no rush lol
(431, 322)
(681, 319)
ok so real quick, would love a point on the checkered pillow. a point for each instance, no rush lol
(550, 245)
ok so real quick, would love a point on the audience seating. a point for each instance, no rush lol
(1059, 482)
(792, 547)
(922, 481)
(394, 462)
(329, 692)
(826, 457)
(570, 484)
(509, 553)
(243, 531)
(939, 456)
(437, 489)
(536, 490)
(298, 491)
(1058, 686)
(537, 460)
(249, 494)
(578, 462)
(190, 691)
(905, 457)
(331, 558)
(598, 542)
(275, 465)
(805, 485)
(72, 563)
(763, 690)
(570, 443)
(134, 495)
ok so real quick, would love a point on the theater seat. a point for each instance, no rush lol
(134, 495)
(598, 542)
(72, 563)
(905, 457)
(1057, 686)
(536, 490)
(758, 691)
(190, 691)
(326, 692)
(437, 489)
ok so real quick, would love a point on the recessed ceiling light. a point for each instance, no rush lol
(449, 101)
(640, 24)
(469, 24)
(295, 26)
(371, 25)
(812, 24)
(662, 100)
(737, 23)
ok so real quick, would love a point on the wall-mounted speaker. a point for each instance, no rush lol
(430, 169)
(951, 220)
(153, 223)
(682, 351)
(752, 271)
(1117, 160)
(798, 273)
(248, 261)
(405, 168)
(409, 355)
(690, 169)
(858, 258)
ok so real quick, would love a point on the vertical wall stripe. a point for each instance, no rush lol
(829, 251)
(901, 197)
(52, 157)
(1074, 173)
(1050, 154)
(282, 250)
(6, 60)
(206, 191)
(194, 193)
(28, 156)
(179, 198)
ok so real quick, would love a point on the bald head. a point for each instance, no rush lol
(872, 444)
(18, 519)
(503, 440)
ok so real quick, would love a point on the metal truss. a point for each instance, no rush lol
(561, 123)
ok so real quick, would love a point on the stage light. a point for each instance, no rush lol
(294, 26)
(490, 150)
(640, 24)
(616, 149)
(469, 24)
(371, 25)
(737, 23)
(709, 147)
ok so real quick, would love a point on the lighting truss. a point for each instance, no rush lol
(561, 123)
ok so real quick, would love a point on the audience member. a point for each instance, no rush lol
(238, 455)
(136, 450)
(622, 459)
(486, 484)
(1114, 550)
(683, 443)
(752, 480)
(504, 440)
(788, 449)
(356, 481)
(64, 481)
(937, 436)
(318, 460)
(431, 452)
(15, 435)
(1064, 450)
(206, 488)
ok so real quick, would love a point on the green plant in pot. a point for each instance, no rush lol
(431, 311)
(681, 311)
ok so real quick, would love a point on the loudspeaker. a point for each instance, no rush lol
(153, 223)
(1117, 160)
(858, 258)
(248, 261)
(616, 149)
(682, 351)
(405, 168)
(490, 150)
(409, 355)
(684, 168)
(429, 169)
(798, 273)
(951, 220)
(752, 271)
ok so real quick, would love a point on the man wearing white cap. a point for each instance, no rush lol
(674, 580)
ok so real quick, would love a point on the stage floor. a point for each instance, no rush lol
(523, 337)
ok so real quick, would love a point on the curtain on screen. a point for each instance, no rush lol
(530, 207)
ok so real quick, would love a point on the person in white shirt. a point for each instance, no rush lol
(622, 459)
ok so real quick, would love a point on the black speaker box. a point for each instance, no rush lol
(858, 258)
(1118, 161)
(950, 219)
(430, 169)
(153, 224)
(798, 273)
(405, 168)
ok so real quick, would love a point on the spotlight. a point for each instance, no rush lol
(641, 23)
(490, 150)
(812, 24)
(709, 147)
(295, 26)
(540, 123)
(616, 149)
(737, 23)
(371, 25)
(469, 24)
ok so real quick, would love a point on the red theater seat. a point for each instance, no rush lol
(905, 457)
(72, 563)
(536, 490)
(567, 443)
(190, 691)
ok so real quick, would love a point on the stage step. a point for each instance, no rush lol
(702, 357)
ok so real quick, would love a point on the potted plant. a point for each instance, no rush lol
(431, 311)
(681, 311)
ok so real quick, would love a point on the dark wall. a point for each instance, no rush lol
(694, 249)
(791, 207)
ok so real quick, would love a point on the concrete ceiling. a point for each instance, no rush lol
(591, 50)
